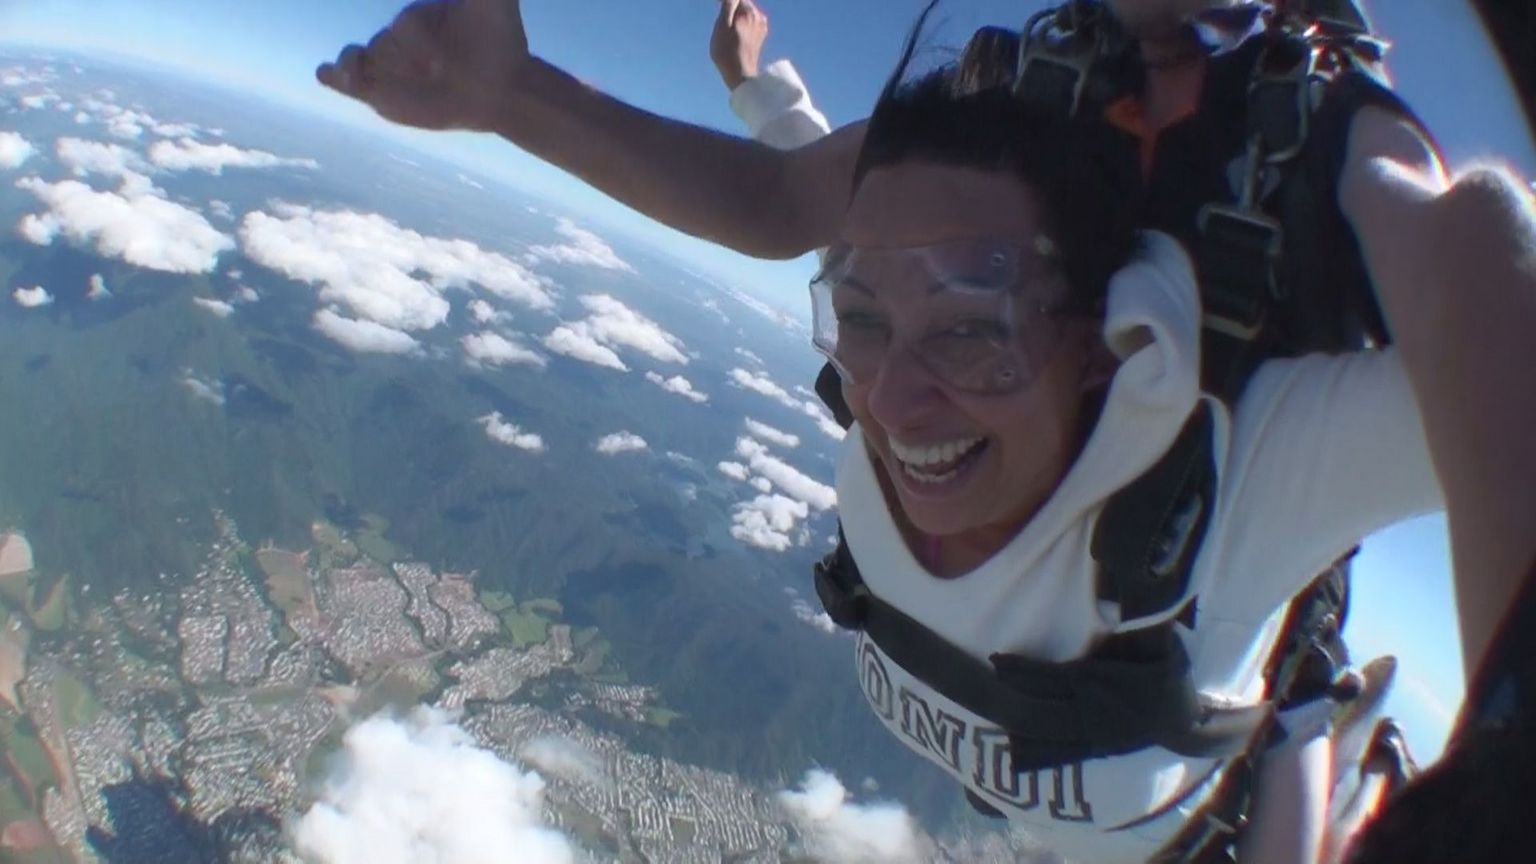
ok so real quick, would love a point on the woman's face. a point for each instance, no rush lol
(959, 461)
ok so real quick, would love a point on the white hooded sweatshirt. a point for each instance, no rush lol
(1320, 452)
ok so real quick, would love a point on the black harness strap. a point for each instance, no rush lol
(1149, 533)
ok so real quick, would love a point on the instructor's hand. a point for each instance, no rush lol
(441, 64)
(736, 44)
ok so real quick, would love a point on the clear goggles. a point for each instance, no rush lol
(973, 313)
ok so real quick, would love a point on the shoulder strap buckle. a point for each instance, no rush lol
(1057, 55)
(1239, 257)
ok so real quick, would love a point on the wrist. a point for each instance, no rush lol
(735, 76)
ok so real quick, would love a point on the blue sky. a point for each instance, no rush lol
(653, 53)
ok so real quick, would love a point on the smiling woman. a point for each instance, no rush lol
(1015, 355)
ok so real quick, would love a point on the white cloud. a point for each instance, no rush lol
(84, 158)
(32, 298)
(581, 247)
(677, 384)
(485, 313)
(378, 270)
(814, 617)
(494, 349)
(761, 384)
(836, 830)
(734, 470)
(785, 476)
(616, 325)
(566, 759)
(368, 337)
(767, 520)
(471, 182)
(176, 130)
(217, 307)
(135, 225)
(767, 433)
(14, 150)
(761, 484)
(221, 209)
(185, 154)
(750, 356)
(202, 389)
(98, 289)
(502, 432)
(418, 788)
(620, 442)
(576, 340)
(35, 101)
(246, 294)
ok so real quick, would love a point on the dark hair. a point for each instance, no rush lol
(965, 115)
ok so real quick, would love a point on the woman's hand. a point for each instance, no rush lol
(441, 64)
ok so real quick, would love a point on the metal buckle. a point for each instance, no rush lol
(1212, 220)
(1040, 50)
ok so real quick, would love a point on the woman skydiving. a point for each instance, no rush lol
(1014, 354)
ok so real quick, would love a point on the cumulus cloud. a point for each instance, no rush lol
(136, 225)
(580, 247)
(185, 154)
(247, 294)
(836, 830)
(484, 313)
(812, 616)
(366, 337)
(493, 349)
(761, 384)
(98, 288)
(735, 471)
(617, 325)
(208, 392)
(750, 356)
(418, 788)
(565, 759)
(377, 270)
(762, 484)
(218, 307)
(14, 150)
(221, 209)
(84, 158)
(502, 432)
(767, 520)
(576, 341)
(677, 384)
(620, 442)
(32, 298)
(764, 432)
(609, 326)
(795, 484)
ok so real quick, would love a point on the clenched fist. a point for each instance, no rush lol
(441, 64)
(736, 44)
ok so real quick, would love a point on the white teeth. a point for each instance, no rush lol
(929, 479)
(935, 455)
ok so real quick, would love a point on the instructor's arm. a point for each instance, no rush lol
(1454, 264)
(466, 65)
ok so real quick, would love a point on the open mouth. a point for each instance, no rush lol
(938, 465)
